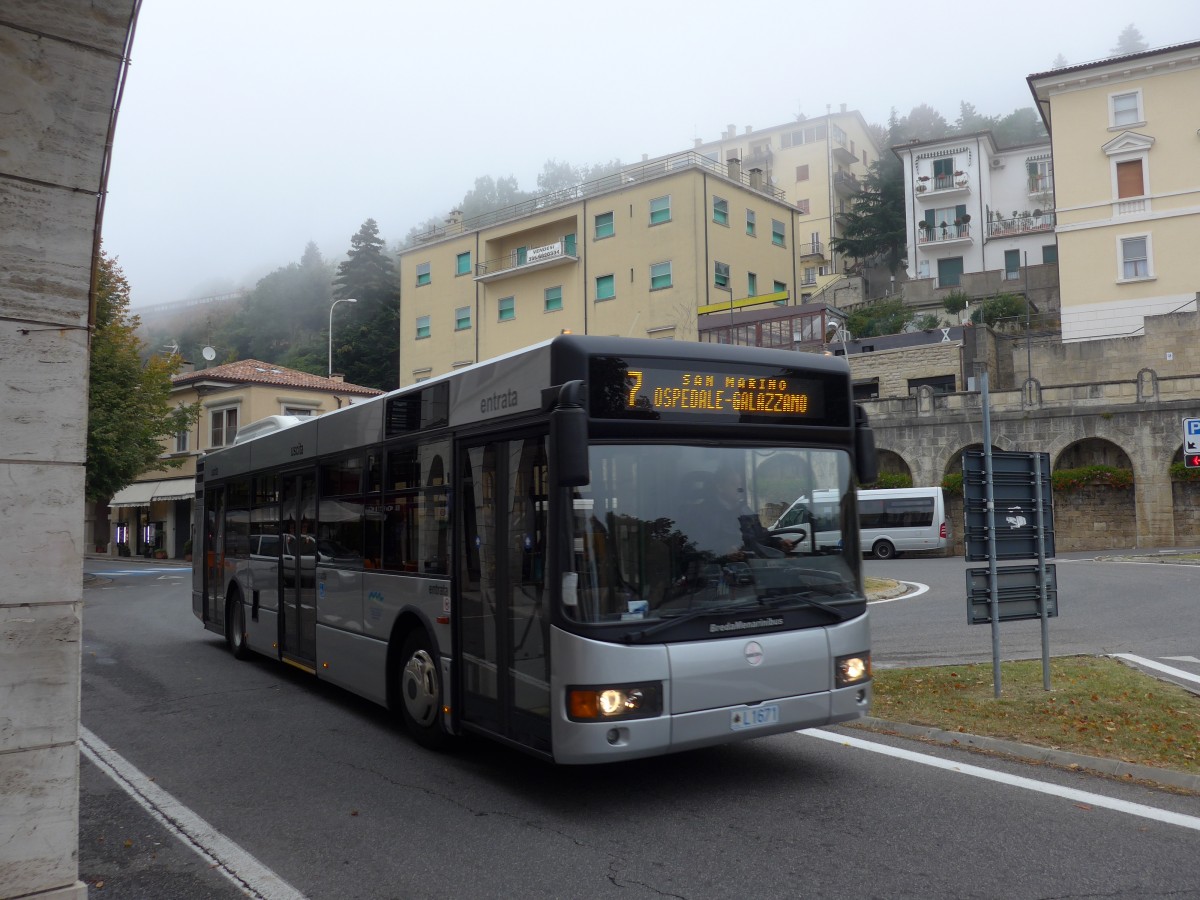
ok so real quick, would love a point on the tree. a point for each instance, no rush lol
(888, 316)
(1129, 41)
(366, 343)
(1002, 306)
(923, 123)
(1021, 126)
(969, 120)
(129, 402)
(490, 194)
(1060, 62)
(875, 227)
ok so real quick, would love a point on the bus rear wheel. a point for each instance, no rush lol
(420, 686)
(235, 627)
(884, 550)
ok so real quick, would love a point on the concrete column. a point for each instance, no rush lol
(60, 62)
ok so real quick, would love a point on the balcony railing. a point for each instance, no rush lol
(755, 181)
(1020, 225)
(554, 254)
(811, 248)
(939, 234)
(847, 181)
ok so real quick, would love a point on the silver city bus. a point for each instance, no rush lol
(563, 548)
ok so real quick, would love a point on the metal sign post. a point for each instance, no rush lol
(990, 500)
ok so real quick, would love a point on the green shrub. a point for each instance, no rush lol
(1066, 481)
(952, 483)
(1180, 472)
(889, 480)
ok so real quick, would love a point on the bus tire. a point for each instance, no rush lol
(420, 688)
(884, 550)
(235, 625)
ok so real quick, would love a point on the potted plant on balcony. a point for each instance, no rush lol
(921, 188)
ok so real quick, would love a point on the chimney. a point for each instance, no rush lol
(730, 130)
(455, 217)
(843, 108)
(696, 142)
(735, 168)
(756, 179)
(749, 128)
(338, 378)
(187, 367)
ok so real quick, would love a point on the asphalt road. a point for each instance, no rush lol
(324, 793)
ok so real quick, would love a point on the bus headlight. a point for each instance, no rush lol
(852, 669)
(616, 701)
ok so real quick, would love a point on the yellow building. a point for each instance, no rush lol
(646, 252)
(154, 513)
(1127, 189)
(819, 164)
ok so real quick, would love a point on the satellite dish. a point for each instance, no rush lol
(209, 353)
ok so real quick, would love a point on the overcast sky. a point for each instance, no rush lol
(250, 127)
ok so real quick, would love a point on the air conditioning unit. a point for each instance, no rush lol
(997, 162)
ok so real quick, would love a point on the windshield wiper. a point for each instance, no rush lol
(806, 597)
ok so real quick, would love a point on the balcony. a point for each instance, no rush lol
(526, 260)
(944, 234)
(1041, 184)
(942, 186)
(1019, 225)
(846, 183)
(811, 249)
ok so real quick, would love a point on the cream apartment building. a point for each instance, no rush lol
(644, 253)
(1125, 136)
(819, 163)
(155, 512)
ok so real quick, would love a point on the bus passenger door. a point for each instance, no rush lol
(214, 557)
(298, 609)
(503, 609)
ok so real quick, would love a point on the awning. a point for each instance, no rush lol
(142, 493)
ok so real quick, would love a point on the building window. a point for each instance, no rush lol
(721, 275)
(941, 384)
(554, 298)
(423, 329)
(1050, 254)
(1125, 109)
(1135, 257)
(224, 426)
(604, 225)
(660, 210)
(866, 390)
(660, 276)
(1012, 265)
(720, 211)
(802, 206)
(750, 223)
(810, 275)
(522, 254)
(506, 309)
(462, 318)
(779, 287)
(182, 440)
(751, 284)
(300, 412)
(569, 244)
(423, 276)
(1130, 179)
(950, 271)
(802, 173)
(606, 287)
(777, 233)
(462, 264)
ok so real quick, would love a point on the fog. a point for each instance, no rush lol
(247, 130)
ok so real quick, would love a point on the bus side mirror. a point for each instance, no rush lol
(866, 463)
(569, 437)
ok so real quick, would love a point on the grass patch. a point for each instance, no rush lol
(1096, 706)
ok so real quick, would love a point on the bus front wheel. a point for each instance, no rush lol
(421, 691)
(884, 550)
(235, 626)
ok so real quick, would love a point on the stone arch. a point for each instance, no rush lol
(953, 463)
(1092, 451)
(892, 463)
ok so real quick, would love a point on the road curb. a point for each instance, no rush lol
(1113, 767)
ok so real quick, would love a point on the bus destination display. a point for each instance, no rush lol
(640, 389)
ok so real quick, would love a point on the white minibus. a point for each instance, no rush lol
(891, 520)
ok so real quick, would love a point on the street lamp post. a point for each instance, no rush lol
(332, 305)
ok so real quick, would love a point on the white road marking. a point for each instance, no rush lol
(247, 873)
(1190, 659)
(1159, 667)
(917, 590)
(1077, 796)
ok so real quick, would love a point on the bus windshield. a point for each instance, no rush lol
(663, 530)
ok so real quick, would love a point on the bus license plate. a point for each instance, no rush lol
(754, 717)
